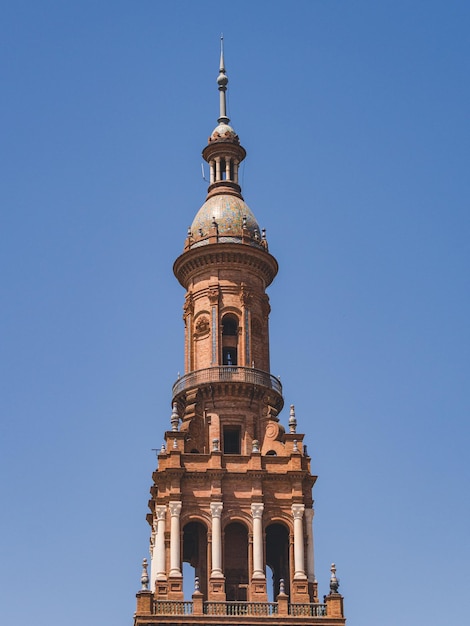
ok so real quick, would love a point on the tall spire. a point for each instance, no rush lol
(222, 81)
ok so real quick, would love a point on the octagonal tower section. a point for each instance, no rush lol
(225, 269)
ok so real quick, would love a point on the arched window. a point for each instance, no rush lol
(194, 558)
(236, 562)
(229, 339)
(277, 556)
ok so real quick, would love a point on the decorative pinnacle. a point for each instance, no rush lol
(292, 420)
(175, 418)
(334, 582)
(144, 579)
(222, 81)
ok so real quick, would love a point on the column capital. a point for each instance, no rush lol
(257, 509)
(216, 509)
(298, 510)
(160, 512)
(175, 508)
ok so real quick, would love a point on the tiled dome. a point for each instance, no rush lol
(228, 211)
(223, 132)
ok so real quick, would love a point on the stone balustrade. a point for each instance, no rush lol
(229, 374)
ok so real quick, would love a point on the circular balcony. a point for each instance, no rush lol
(227, 374)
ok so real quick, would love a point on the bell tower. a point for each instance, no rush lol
(232, 493)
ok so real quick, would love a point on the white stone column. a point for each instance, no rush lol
(227, 168)
(258, 557)
(175, 538)
(216, 511)
(153, 556)
(160, 569)
(299, 567)
(235, 171)
(212, 171)
(310, 552)
(217, 169)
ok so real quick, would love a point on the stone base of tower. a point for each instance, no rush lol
(175, 588)
(216, 591)
(171, 589)
(300, 591)
(258, 591)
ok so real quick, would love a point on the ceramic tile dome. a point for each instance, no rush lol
(228, 211)
(223, 132)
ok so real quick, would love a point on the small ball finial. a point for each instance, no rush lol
(222, 79)
(282, 587)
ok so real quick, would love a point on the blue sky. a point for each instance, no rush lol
(355, 118)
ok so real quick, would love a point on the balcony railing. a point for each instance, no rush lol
(307, 610)
(173, 607)
(227, 373)
(235, 609)
(240, 608)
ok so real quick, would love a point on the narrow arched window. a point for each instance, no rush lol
(229, 340)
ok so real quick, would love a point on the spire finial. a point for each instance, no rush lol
(175, 418)
(292, 420)
(144, 579)
(222, 65)
(334, 582)
(222, 81)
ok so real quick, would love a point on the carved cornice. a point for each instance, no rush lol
(225, 256)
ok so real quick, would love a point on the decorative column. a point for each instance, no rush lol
(160, 512)
(235, 171)
(188, 312)
(175, 539)
(258, 560)
(216, 511)
(212, 171)
(153, 555)
(310, 553)
(217, 169)
(298, 513)
(214, 302)
(246, 298)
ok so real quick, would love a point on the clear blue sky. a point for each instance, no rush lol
(355, 116)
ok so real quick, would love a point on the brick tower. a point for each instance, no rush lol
(232, 494)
